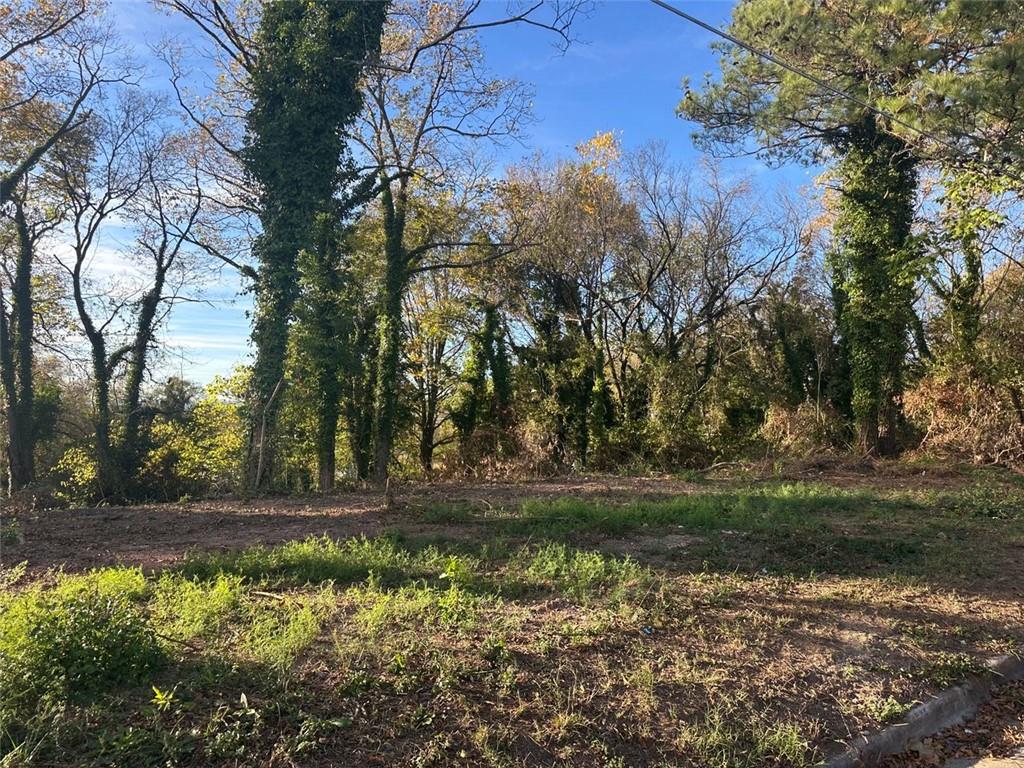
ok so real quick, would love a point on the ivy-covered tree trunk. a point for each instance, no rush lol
(875, 265)
(501, 373)
(469, 397)
(305, 92)
(389, 331)
(129, 452)
(108, 470)
(16, 361)
(359, 395)
(322, 325)
(328, 409)
(276, 291)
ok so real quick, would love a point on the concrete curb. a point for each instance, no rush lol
(951, 707)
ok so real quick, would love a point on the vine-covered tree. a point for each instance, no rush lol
(883, 58)
(304, 85)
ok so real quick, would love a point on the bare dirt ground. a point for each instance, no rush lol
(836, 627)
(157, 535)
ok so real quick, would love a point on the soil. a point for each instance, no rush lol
(997, 730)
(154, 536)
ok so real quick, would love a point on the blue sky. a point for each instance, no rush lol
(624, 74)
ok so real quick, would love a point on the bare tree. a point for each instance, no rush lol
(137, 171)
(430, 103)
(708, 260)
(53, 57)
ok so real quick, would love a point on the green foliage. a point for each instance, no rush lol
(199, 452)
(887, 710)
(876, 264)
(414, 605)
(83, 637)
(315, 560)
(581, 575)
(771, 508)
(305, 91)
(188, 608)
(280, 630)
(76, 473)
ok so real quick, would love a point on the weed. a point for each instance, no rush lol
(887, 710)
(414, 605)
(316, 560)
(731, 739)
(280, 630)
(84, 636)
(231, 731)
(10, 533)
(947, 669)
(187, 608)
(578, 574)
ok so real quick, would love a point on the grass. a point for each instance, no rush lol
(727, 739)
(788, 505)
(540, 632)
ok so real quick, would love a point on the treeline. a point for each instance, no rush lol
(418, 311)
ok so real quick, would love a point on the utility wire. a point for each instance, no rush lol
(823, 84)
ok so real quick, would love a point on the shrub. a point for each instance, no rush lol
(806, 430)
(76, 474)
(967, 419)
(84, 636)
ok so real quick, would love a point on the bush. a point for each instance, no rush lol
(806, 430)
(84, 636)
(966, 419)
(76, 474)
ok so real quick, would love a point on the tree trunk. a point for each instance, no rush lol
(388, 358)
(108, 473)
(871, 265)
(427, 447)
(389, 332)
(276, 293)
(16, 362)
(359, 390)
(327, 425)
(129, 449)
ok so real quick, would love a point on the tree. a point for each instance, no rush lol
(52, 59)
(320, 335)
(31, 221)
(429, 101)
(304, 85)
(881, 58)
(130, 166)
(53, 56)
(580, 228)
(435, 311)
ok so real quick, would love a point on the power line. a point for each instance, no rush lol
(824, 84)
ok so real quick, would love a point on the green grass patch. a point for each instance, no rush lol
(84, 636)
(281, 629)
(578, 574)
(187, 608)
(728, 739)
(769, 508)
(316, 560)
(414, 606)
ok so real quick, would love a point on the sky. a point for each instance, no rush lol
(623, 74)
